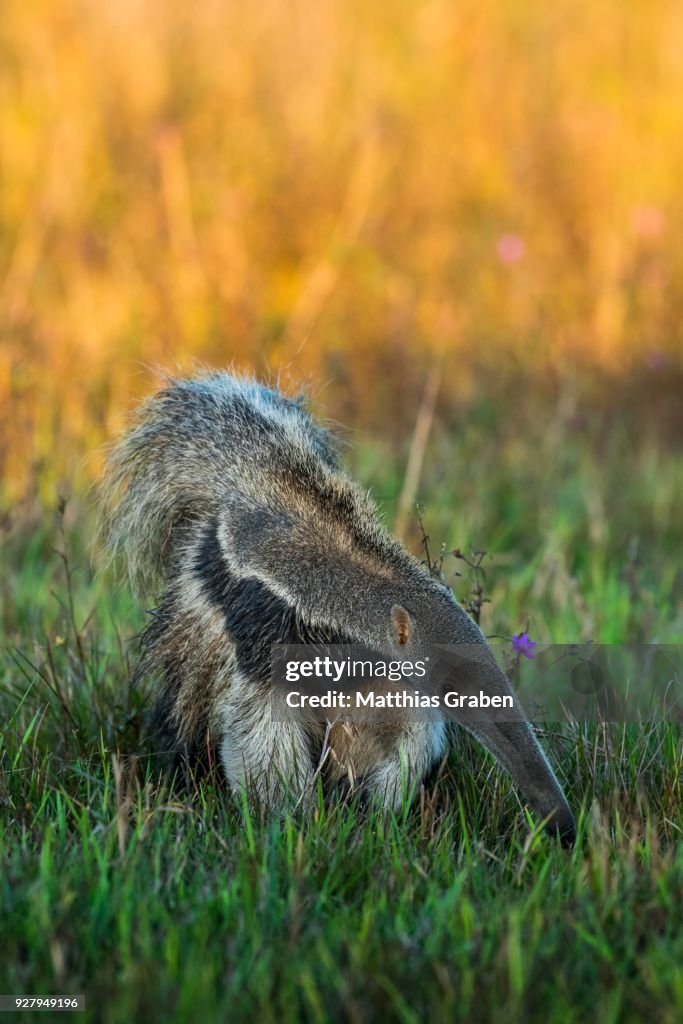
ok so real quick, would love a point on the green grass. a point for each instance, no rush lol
(187, 905)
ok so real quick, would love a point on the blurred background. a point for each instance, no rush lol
(458, 225)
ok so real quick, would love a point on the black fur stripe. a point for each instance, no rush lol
(255, 617)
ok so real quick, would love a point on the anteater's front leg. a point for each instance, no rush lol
(272, 758)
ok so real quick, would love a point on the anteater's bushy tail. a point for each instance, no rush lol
(189, 444)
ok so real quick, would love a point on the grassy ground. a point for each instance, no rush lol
(184, 907)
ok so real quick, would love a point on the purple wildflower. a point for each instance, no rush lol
(523, 645)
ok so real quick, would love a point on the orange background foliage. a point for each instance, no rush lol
(340, 191)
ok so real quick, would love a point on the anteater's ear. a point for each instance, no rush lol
(306, 562)
(402, 624)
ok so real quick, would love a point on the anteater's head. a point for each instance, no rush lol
(343, 572)
(426, 622)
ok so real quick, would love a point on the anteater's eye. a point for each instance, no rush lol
(401, 624)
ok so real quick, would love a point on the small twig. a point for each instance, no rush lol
(418, 444)
(435, 567)
(477, 597)
(63, 554)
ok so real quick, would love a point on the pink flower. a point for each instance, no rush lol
(647, 222)
(656, 360)
(510, 248)
(523, 645)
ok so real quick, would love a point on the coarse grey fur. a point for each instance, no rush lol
(230, 506)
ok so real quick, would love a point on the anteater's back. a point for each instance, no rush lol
(193, 443)
(217, 496)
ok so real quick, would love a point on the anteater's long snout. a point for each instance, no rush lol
(565, 828)
(507, 734)
(514, 744)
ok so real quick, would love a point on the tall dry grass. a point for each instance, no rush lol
(349, 191)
